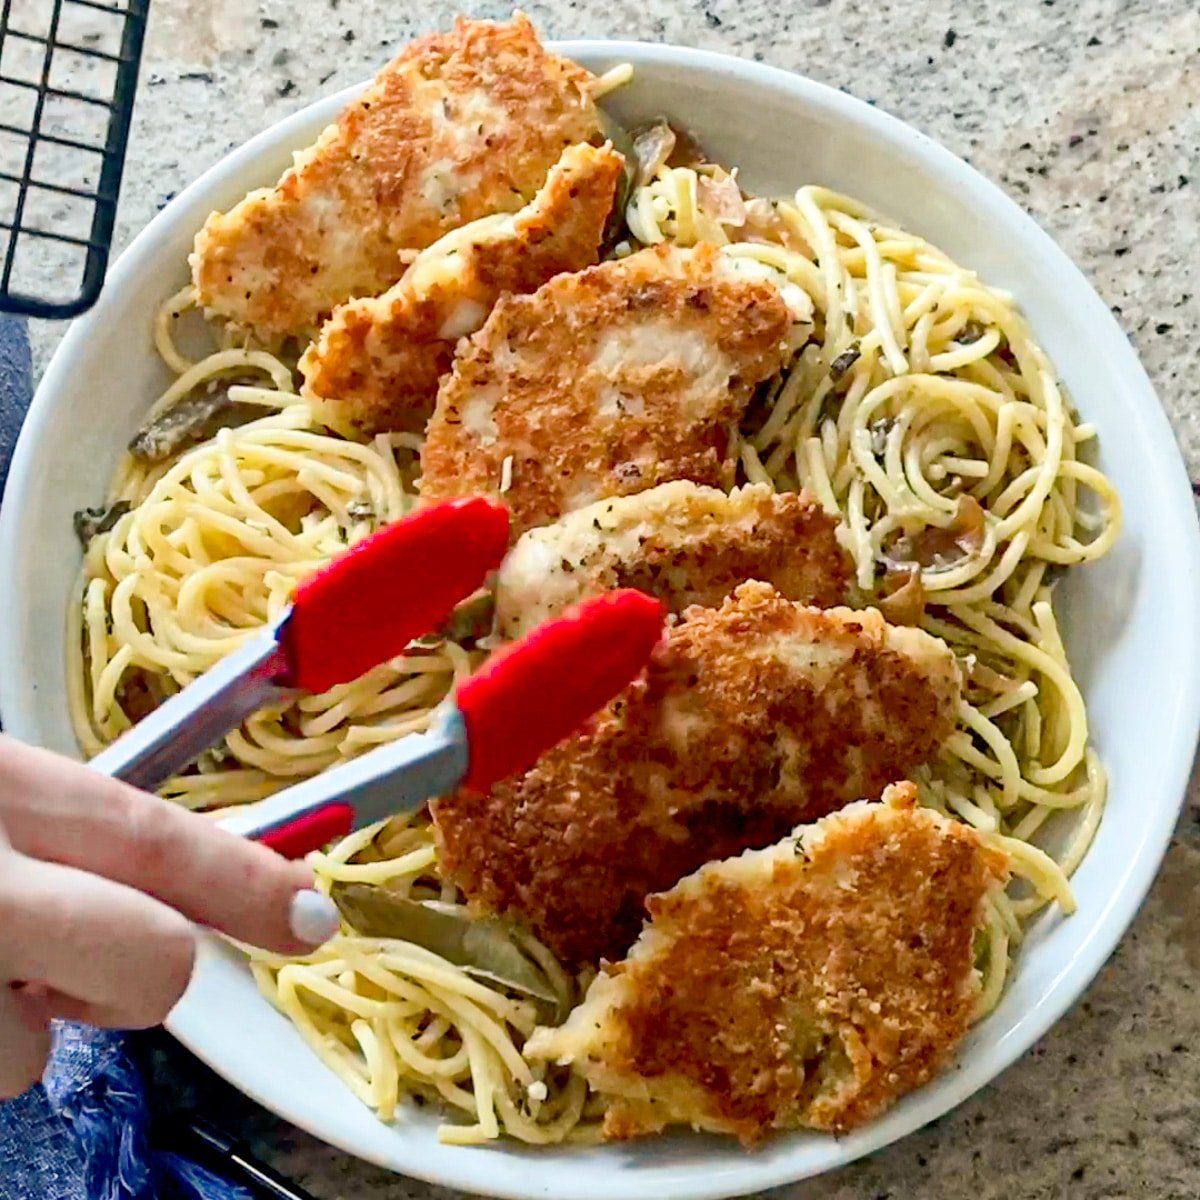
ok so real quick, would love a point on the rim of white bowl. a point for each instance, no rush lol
(510, 1177)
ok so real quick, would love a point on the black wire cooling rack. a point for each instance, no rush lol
(68, 73)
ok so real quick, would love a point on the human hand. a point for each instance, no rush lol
(99, 887)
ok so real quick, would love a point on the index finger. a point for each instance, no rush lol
(59, 811)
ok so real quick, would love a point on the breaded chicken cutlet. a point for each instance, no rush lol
(605, 383)
(680, 542)
(750, 718)
(378, 361)
(811, 984)
(459, 126)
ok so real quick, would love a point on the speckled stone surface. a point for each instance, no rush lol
(1088, 114)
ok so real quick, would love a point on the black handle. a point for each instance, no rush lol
(225, 1156)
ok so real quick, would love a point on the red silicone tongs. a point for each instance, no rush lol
(526, 698)
(363, 608)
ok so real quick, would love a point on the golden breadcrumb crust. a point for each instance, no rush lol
(604, 383)
(460, 125)
(680, 542)
(810, 984)
(750, 718)
(377, 363)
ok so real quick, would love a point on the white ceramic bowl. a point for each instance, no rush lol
(1131, 622)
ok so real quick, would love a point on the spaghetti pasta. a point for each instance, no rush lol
(212, 550)
(917, 407)
(387, 1016)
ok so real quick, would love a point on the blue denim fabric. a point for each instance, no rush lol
(16, 387)
(86, 1133)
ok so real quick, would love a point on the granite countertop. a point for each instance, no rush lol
(1087, 112)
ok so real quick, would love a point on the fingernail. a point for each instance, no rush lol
(314, 917)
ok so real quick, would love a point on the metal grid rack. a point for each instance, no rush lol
(68, 73)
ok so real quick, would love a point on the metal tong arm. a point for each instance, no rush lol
(198, 717)
(395, 778)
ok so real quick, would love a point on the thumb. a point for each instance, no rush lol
(59, 811)
(24, 1041)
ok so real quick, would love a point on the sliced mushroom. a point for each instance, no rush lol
(195, 418)
(89, 522)
(903, 598)
(721, 200)
(652, 146)
(939, 549)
